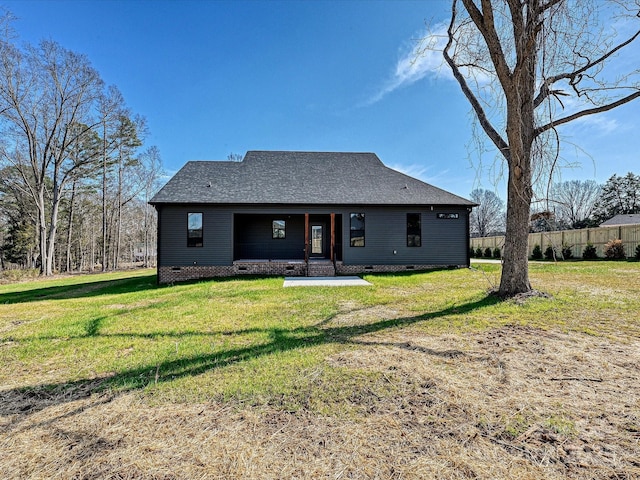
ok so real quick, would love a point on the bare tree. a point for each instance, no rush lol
(235, 157)
(60, 130)
(86, 152)
(46, 92)
(574, 202)
(488, 217)
(520, 63)
(127, 141)
(152, 164)
(110, 105)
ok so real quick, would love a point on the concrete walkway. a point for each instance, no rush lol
(324, 282)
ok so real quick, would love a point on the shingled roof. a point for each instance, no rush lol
(622, 219)
(301, 178)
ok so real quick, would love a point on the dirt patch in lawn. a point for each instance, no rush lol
(511, 402)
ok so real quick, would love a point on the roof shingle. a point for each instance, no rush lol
(312, 178)
(622, 219)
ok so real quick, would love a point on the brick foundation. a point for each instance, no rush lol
(359, 269)
(195, 272)
(289, 269)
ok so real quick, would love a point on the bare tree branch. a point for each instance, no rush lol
(495, 137)
(574, 76)
(484, 21)
(584, 113)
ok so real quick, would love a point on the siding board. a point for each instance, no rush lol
(217, 237)
(443, 242)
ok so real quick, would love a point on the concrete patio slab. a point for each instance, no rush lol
(325, 282)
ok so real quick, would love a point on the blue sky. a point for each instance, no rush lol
(216, 77)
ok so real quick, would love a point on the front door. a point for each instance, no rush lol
(317, 241)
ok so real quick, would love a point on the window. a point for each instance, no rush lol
(279, 228)
(448, 216)
(414, 230)
(194, 230)
(357, 230)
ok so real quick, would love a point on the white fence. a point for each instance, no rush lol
(575, 239)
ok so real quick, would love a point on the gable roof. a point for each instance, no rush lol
(623, 219)
(311, 178)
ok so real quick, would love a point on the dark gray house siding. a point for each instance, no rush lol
(237, 228)
(444, 242)
(243, 234)
(217, 246)
(253, 236)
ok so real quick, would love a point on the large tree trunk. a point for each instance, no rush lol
(70, 226)
(93, 248)
(45, 267)
(116, 256)
(515, 269)
(519, 92)
(52, 232)
(104, 196)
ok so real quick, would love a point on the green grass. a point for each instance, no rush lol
(252, 341)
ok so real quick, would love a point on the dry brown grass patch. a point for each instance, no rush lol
(511, 402)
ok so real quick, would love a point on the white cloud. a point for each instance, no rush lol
(597, 124)
(417, 60)
(603, 124)
(420, 172)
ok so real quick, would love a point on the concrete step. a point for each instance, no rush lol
(321, 270)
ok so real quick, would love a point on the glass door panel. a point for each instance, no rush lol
(316, 239)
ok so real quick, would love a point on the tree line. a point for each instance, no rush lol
(568, 205)
(75, 173)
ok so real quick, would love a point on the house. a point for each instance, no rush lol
(305, 213)
(622, 219)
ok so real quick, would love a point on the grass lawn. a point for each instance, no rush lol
(421, 375)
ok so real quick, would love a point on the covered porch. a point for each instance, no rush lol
(305, 236)
(268, 242)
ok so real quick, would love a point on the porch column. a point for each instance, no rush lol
(333, 235)
(306, 237)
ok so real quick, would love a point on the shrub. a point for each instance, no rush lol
(549, 253)
(479, 252)
(497, 253)
(18, 275)
(537, 253)
(487, 252)
(614, 250)
(589, 252)
(566, 252)
(638, 252)
(472, 252)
